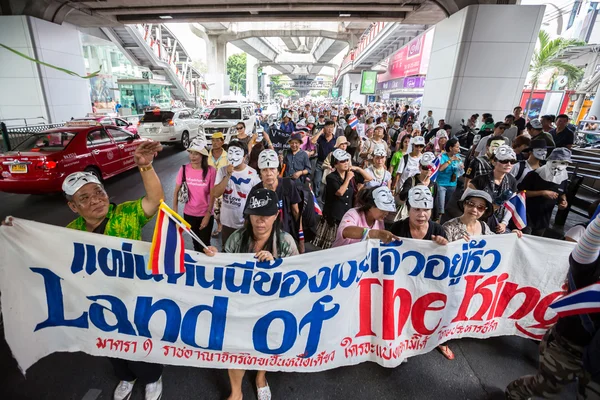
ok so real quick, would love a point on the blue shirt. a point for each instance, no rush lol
(297, 162)
(444, 177)
(325, 147)
(288, 128)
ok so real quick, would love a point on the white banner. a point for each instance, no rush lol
(65, 290)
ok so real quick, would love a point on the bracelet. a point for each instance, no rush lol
(301, 235)
(365, 234)
(146, 168)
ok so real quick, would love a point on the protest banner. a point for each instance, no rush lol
(66, 290)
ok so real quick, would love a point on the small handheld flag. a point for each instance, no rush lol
(516, 205)
(317, 207)
(435, 168)
(168, 247)
(353, 122)
(583, 301)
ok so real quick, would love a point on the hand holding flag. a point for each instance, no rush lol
(517, 206)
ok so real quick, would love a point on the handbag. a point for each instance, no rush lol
(184, 193)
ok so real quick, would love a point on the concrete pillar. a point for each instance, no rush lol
(33, 90)
(595, 108)
(216, 78)
(479, 61)
(251, 78)
(351, 89)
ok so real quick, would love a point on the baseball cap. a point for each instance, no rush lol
(427, 159)
(379, 151)
(417, 140)
(535, 124)
(295, 136)
(218, 135)
(505, 152)
(262, 202)
(77, 180)
(311, 120)
(341, 155)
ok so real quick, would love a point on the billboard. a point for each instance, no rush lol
(368, 82)
(411, 59)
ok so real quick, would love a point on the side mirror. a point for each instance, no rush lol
(136, 136)
(246, 118)
(129, 124)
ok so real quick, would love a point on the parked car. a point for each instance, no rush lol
(206, 112)
(224, 118)
(41, 162)
(170, 127)
(114, 121)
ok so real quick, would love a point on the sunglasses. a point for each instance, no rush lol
(501, 128)
(239, 128)
(507, 161)
(419, 145)
(343, 161)
(473, 205)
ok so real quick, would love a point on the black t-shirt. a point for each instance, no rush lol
(564, 138)
(487, 184)
(287, 194)
(325, 147)
(402, 229)
(539, 208)
(572, 328)
(336, 206)
(520, 123)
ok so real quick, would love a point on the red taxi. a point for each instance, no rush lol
(108, 120)
(41, 162)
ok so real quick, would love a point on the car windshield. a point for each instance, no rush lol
(54, 141)
(152, 116)
(226, 113)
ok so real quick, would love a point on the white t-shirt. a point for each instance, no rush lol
(235, 195)
(376, 182)
(412, 168)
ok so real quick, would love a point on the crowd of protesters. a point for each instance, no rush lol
(376, 172)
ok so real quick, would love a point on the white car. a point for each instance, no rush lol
(224, 118)
(170, 127)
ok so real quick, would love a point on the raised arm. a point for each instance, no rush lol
(588, 247)
(143, 157)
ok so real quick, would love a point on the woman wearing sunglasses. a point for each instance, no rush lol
(500, 185)
(427, 166)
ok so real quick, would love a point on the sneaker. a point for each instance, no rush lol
(154, 390)
(264, 393)
(123, 391)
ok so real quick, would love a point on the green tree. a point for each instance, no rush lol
(546, 57)
(277, 89)
(236, 69)
(318, 93)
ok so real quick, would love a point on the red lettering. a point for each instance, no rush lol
(422, 305)
(532, 296)
(500, 283)
(365, 306)
(389, 307)
(540, 311)
(486, 294)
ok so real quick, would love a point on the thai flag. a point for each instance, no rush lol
(353, 122)
(316, 203)
(582, 301)
(435, 168)
(516, 205)
(168, 246)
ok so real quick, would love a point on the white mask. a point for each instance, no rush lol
(554, 171)
(235, 156)
(268, 159)
(397, 123)
(384, 200)
(540, 154)
(420, 197)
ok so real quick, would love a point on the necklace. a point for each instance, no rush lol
(379, 173)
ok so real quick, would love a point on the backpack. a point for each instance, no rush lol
(521, 169)
(184, 194)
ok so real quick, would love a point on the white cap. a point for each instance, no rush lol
(417, 140)
(384, 199)
(77, 180)
(199, 145)
(311, 120)
(341, 155)
(441, 134)
(420, 197)
(505, 152)
(268, 159)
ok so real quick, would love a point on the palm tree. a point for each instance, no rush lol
(546, 57)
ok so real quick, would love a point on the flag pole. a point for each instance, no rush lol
(182, 223)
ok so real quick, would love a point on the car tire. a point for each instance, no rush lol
(96, 172)
(185, 140)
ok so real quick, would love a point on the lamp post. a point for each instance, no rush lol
(352, 90)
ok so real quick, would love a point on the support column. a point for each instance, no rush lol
(479, 61)
(595, 108)
(251, 78)
(351, 88)
(217, 79)
(33, 90)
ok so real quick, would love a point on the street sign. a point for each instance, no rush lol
(335, 92)
(368, 82)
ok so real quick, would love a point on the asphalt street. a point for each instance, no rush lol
(481, 369)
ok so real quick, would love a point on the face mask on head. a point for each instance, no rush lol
(540, 154)
(554, 171)
(235, 156)
(556, 167)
